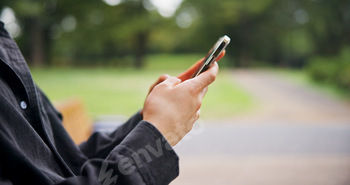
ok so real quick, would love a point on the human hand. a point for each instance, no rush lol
(173, 106)
(160, 80)
(186, 74)
(183, 76)
(189, 72)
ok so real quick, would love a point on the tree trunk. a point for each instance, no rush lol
(140, 49)
(37, 43)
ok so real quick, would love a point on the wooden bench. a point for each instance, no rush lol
(75, 119)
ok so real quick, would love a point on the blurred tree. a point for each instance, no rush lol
(250, 24)
(35, 21)
(87, 30)
(106, 31)
(330, 25)
(281, 32)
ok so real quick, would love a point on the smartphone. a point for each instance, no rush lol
(212, 55)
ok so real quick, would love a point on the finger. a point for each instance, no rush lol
(205, 78)
(198, 114)
(171, 81)
(188, 73)
(203, 92)
(160, 80)
(222, 54)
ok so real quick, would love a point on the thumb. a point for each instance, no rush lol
(204, 79)
(189, 72)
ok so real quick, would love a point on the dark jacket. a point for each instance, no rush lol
(36, 149)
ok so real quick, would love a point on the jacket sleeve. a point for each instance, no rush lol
(3, 180)
(142, 157)
(135, 153)
(100, 144)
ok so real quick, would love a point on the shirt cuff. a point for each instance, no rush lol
(150, 154)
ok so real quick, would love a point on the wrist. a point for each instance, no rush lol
(167, 133)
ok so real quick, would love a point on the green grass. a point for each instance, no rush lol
(122, 91)
(225, 98)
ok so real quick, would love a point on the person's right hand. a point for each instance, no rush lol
(173, 106)
(189, 72)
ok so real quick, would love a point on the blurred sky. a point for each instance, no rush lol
(165, 8)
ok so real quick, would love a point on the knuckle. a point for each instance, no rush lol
(164, 76)
(173, 78)
(191, 90)
(197, 115)
(162, 85)
(199, 102)
(212, 77)
(170, 79)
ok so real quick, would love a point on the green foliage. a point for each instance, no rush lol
(282, 32)
(324, 69)
(29, 8)
(332, 70)
(344, 77)
(279, 32)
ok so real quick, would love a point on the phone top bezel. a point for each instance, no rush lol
(212, 55)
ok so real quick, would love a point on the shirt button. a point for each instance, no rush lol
(23, 105)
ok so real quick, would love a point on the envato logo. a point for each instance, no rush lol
(127, 165)
(198, 128)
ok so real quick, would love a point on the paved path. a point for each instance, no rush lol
(279, 99)
(296, 136)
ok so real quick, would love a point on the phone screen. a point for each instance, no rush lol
(212, 55)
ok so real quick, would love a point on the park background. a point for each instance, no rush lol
(108, 52)
(76, 45)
